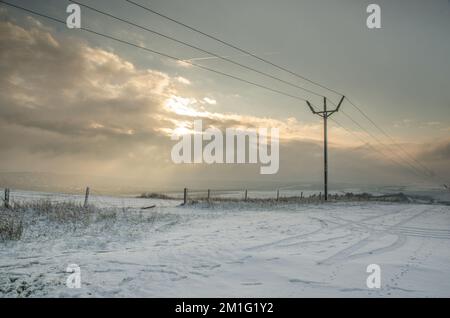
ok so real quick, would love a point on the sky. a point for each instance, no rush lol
(77, 103)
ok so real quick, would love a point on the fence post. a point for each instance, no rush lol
(301, 195)
(278, 194)
(209, 194)
(245, 196)
(86, 197)
(320, 196)
(6, 197)
(185, 196)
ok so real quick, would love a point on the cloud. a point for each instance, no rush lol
(433, 123)
(184, 63)
(67, 88)
(61, 97)
(183, 80)
(67, 106)
(210, 101)
(438, 151)
(406, 122)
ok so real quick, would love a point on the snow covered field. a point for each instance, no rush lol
(233, 250)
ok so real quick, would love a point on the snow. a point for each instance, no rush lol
(233, 249)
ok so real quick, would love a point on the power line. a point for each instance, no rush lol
(391, 138)
(234, 47)
(279, 67)
(374, 149)
(160, 53)
(284, 69)
(224, 58)
(381, 143)
(204, 67)
(378, 140)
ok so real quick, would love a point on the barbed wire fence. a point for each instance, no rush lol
(282, 194)
(89, 196)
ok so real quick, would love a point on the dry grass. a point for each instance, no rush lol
(14, 220)
(153, 195)
(34, 217)
(11, 226)
(347, 197)
(58, 212)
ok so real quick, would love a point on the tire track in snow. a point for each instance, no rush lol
(348, 253)
(323, 226)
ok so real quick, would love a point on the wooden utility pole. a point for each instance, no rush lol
(6, 198)
(325, 114)
(86, 197)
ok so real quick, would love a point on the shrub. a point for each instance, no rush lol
(153, 195)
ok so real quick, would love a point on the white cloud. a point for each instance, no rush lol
(183, 80)
(210, 101)
(183, 63)
(406, 122)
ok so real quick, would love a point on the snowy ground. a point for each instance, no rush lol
(235, 250)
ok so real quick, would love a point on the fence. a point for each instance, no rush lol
(246, 195)
(81, 196)
(90, 196)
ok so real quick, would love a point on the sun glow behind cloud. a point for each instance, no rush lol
(103, 108)
(290, 129)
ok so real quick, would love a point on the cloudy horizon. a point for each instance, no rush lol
(72, 103)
